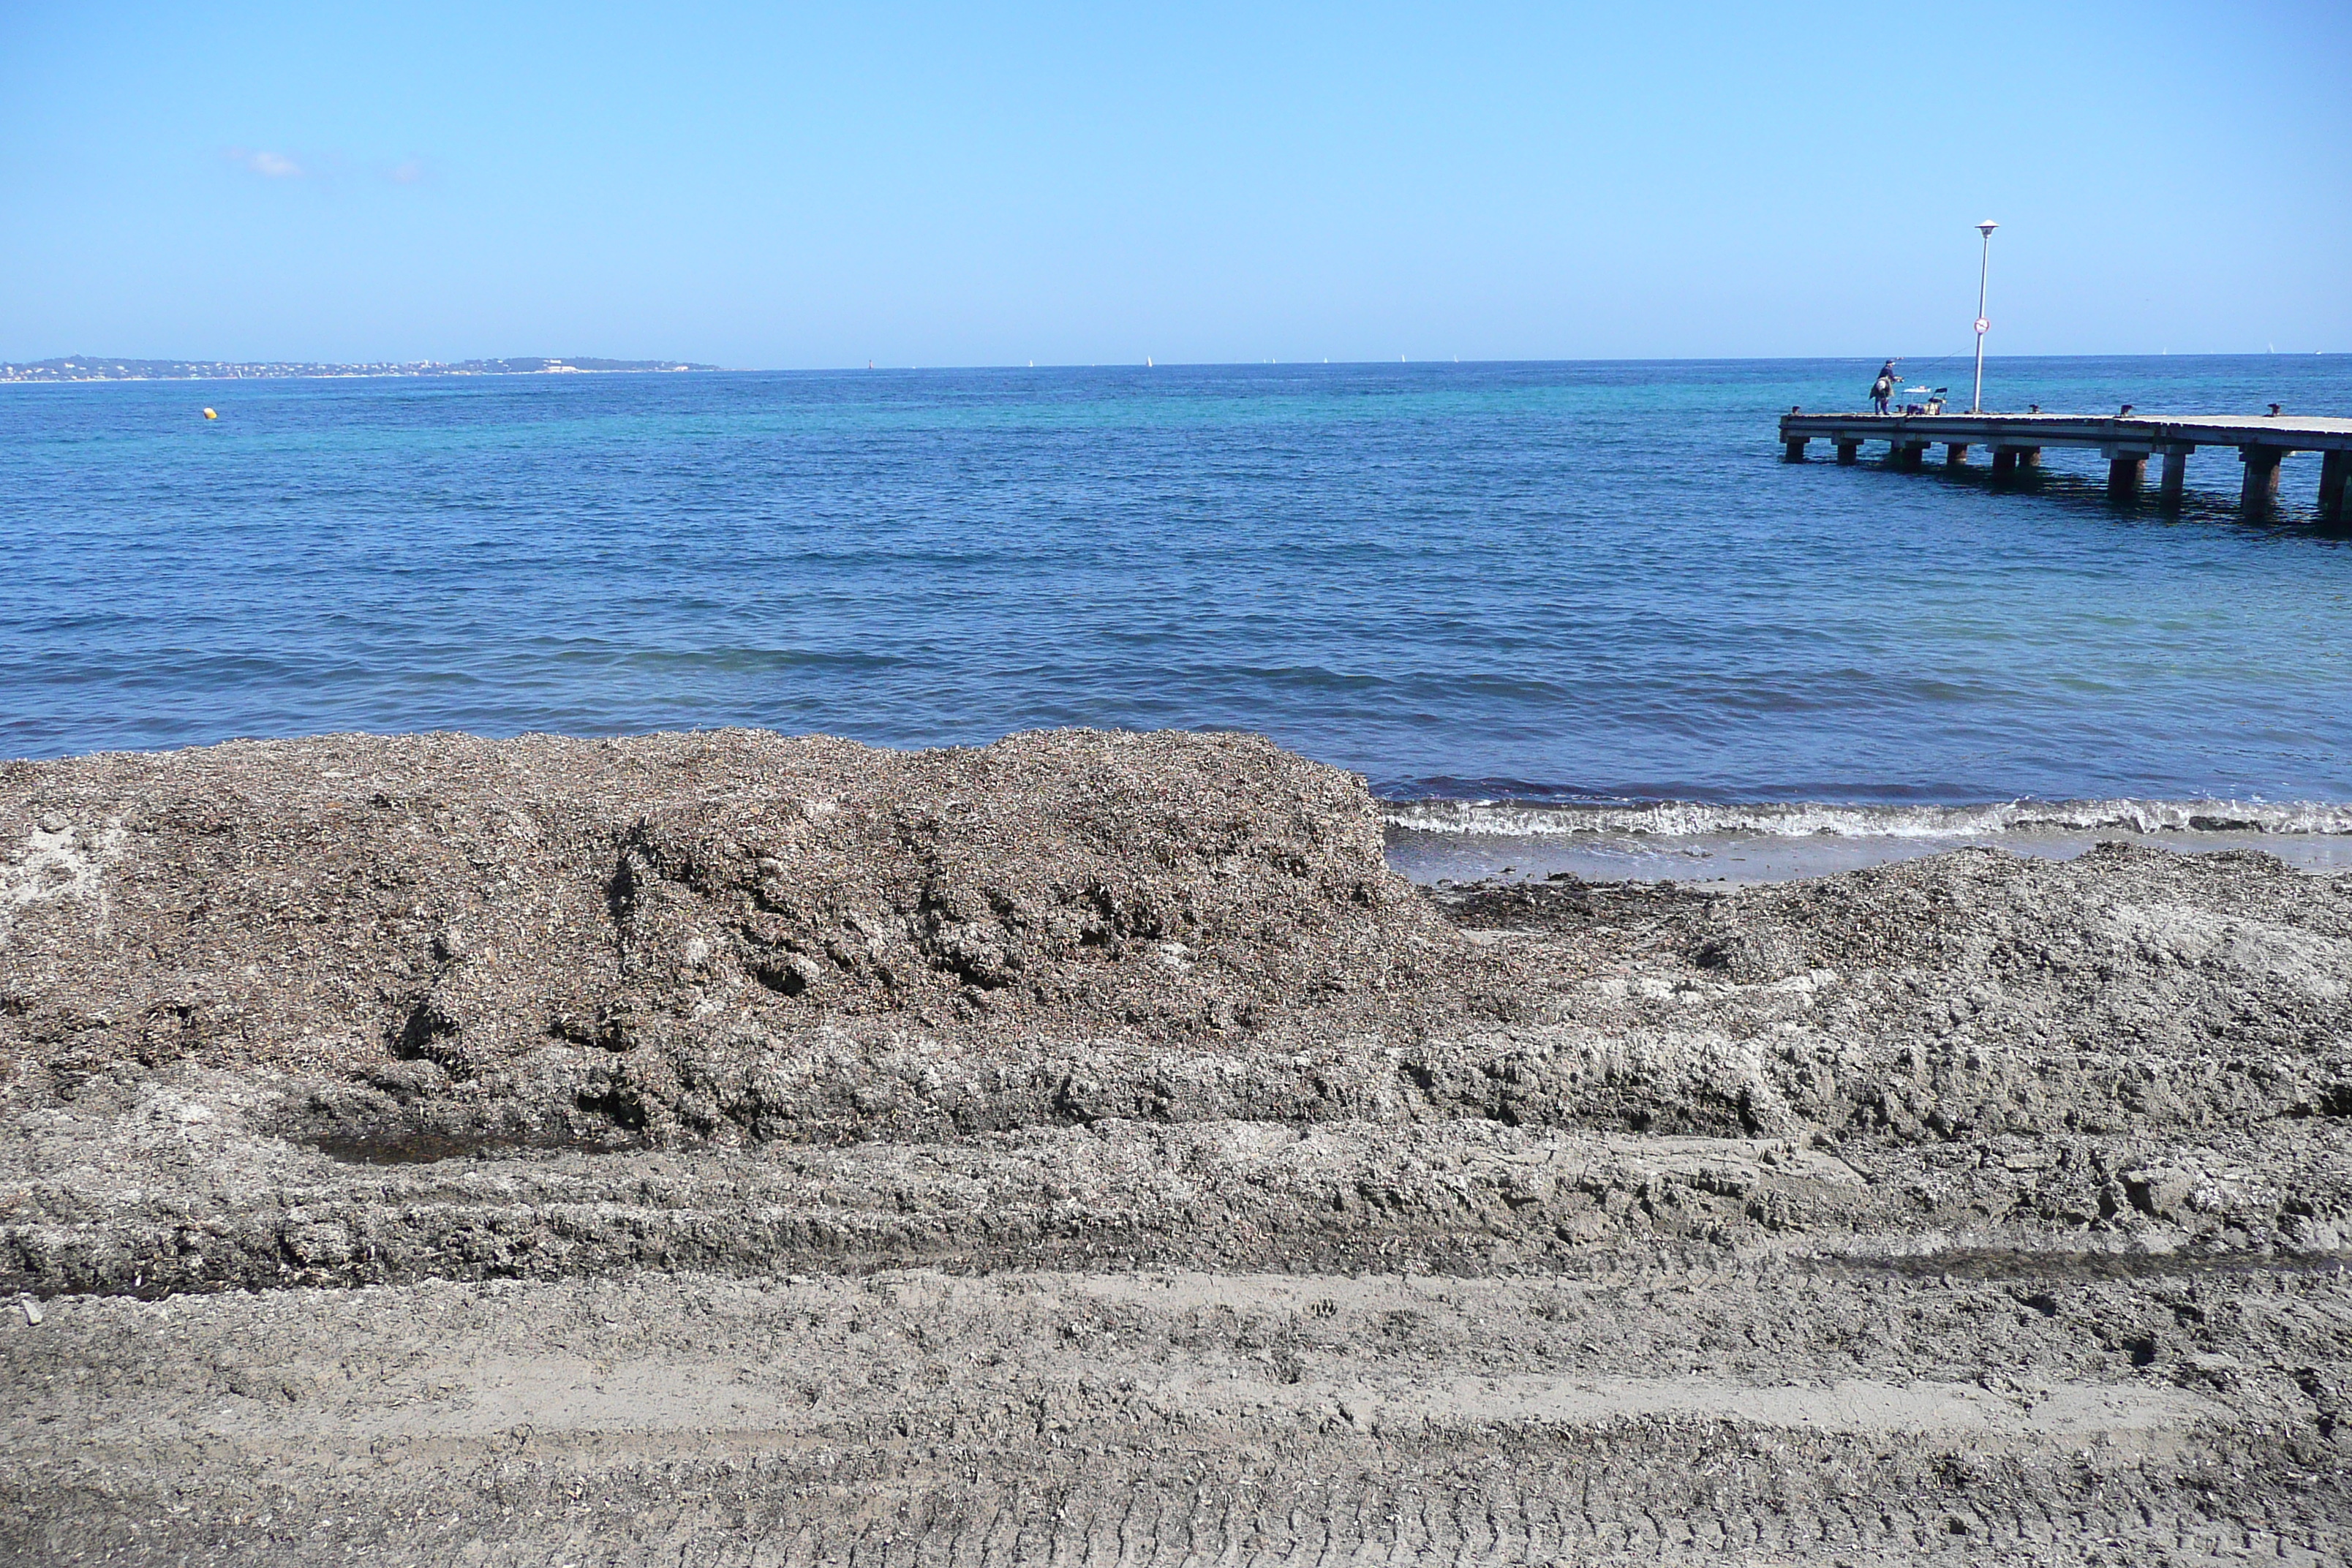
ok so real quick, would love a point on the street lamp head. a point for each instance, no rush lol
(1986, 227)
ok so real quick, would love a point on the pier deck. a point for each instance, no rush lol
(2127, 441)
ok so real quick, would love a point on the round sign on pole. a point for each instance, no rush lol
(1982, 325)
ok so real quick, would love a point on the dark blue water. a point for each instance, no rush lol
(1583, 579)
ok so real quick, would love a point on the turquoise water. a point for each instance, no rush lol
(1571, 582)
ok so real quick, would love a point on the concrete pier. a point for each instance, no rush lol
(2016, 441)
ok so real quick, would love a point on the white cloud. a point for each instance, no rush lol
(271, 166)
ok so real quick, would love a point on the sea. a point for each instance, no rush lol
(1566, 618)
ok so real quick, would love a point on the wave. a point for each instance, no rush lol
(1675, 818)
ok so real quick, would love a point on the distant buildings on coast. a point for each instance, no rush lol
(85, 367)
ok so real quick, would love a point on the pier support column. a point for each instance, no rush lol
(2027, 457)
(1848, 451)
(1956, 454)
(2004, 462)
(2176, 474)
(2259, 492)
(1794, 451)
(2335, 489)
(1907, 454)
(2125, 472)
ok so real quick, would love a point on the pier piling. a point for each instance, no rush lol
(1848, 451)
(2176, 475)
(2334, 479)
(1956, 454)
(2259, 492)
(2126, 471)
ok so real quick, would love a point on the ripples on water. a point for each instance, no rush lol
(1566, 583)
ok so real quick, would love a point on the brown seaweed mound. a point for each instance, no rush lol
(437, 910)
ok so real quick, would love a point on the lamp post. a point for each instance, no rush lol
(1984, 269)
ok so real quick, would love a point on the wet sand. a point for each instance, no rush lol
(1746, 859)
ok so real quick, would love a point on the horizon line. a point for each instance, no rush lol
(1153, 362)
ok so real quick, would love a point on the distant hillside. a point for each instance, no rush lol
(99, 367)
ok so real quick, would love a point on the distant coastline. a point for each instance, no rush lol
(99, 367)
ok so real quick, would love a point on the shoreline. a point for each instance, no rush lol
(1723, 842)
(1734, 859)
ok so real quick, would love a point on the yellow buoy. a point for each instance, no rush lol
(210, 414)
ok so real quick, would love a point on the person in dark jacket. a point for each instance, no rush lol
(1884, 387)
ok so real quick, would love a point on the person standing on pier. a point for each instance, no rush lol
(1884, 387)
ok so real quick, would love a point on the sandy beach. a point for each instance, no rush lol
(721, 1148)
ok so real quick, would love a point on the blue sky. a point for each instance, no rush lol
(786, 186)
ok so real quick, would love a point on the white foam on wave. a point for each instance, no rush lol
(1675, 818)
